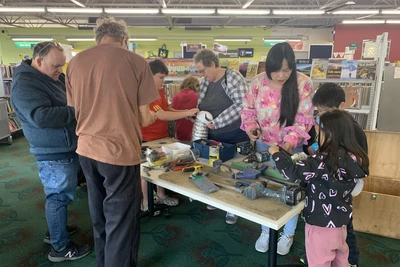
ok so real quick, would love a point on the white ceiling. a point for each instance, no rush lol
(48, 19)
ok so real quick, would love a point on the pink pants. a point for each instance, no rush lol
(326, 247)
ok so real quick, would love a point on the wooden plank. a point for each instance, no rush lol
(382, 186)
(384, 154)
(380, 216)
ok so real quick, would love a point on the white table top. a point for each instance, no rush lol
(264, 210)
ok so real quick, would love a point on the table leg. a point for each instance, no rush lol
(150, 198)
(273, 247)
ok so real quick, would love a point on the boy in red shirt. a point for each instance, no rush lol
(186, 99)
(159, 129)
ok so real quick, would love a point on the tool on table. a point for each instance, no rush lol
(201, 181)
(288, 194)
(233, 188)
(147, 170)
(192, 168)
(244, 148)
(242, 184)
(249, 173)
(217, 166)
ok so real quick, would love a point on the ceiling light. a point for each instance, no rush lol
(390, 12)
(356, 12)
(249, 2)
(74, 10)
(298, 12)
(80, 39)
(78, 3)
(363, 21)
(281, 39)
(21, 9)
(393, 21)
(350, 3)
(232, 39)
(243, 11)
(131, 10)
(187, 11)
(143, 39)
(30, 39)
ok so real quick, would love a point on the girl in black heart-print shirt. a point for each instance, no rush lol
(331, 175)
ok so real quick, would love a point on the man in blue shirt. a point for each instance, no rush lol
(39, 98)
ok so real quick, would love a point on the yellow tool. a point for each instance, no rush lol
(192, 168)
(157, 108)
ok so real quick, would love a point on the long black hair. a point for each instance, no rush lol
(339, 134)
(290, 92)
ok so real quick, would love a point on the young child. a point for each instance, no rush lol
(328, 97)
(331, 173)
(186, 99)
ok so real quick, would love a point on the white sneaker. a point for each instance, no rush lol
(262, 243)
(285, 242)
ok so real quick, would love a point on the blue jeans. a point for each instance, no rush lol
(59, 178)
(290, 226)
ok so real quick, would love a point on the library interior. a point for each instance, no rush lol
(264, 127)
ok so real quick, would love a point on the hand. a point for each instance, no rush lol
(288, 147)
(193, 112)
(253, 133)
(273, 149)
(211, 125)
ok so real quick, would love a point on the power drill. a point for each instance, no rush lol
(290, 195)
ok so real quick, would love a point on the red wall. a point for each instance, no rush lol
(347, 34)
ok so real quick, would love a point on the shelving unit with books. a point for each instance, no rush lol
(361, 80)
(11, 124)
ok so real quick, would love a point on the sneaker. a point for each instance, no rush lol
(145, 207)
(303, 259)
(231, 218)
(169, 201)
(353, 265)
(70, 253)
(285, 242)
(211, 207)
(262, 243)
(72, 228)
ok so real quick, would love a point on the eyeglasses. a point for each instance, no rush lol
(47, 45)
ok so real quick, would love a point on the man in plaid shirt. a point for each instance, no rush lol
(221, 93)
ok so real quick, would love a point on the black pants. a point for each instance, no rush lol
(114, 204)
(351, 241)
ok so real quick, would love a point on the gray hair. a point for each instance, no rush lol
(43, 49)
(206, 56)
(108, 26)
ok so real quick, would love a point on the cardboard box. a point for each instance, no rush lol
(227, 152)
(376, 210)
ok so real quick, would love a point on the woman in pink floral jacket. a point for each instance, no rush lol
(277, 110)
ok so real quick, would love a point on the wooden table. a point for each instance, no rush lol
(265, 210)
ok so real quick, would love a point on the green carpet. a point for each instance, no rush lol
(192, 236)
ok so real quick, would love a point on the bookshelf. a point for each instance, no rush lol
(10, 124)
(362, 94)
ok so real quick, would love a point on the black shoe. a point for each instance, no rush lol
(303, 259)
(71, 252)
(72, 228)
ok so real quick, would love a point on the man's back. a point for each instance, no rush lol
(106, 85)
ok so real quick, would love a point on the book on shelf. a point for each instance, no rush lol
(349, 69)
(334, 69)
(7, 88)
(304, 66)
(252, 70)
(362, 119)
(10, 109)
(366, 69)
(13, 123)
(353, 97)
(319, 68)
